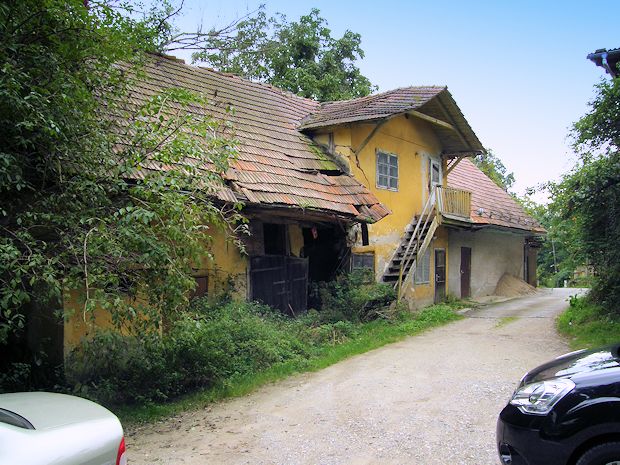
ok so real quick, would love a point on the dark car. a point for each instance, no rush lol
(565, 412)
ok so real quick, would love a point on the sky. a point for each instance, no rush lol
(517, 69)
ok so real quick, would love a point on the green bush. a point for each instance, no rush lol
(353, 297)
(209, 345)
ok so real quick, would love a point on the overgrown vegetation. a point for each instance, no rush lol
(589, 325)
(78, 209)
(586, 203)
(227, 347)
(219, 339)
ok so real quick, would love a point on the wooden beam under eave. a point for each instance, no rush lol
(454, 163)
(430, 119)
(378, 126)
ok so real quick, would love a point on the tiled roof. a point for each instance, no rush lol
(490, 204)
(277, 165)
(371, 107)
(432, 101)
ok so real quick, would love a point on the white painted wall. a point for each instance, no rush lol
(493, 253)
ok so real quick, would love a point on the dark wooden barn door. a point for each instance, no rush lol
(465, 272)
(297, 281)
(280, 282)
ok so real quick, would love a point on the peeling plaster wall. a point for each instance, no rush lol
(413, 141)
(421, 295)
(493, 253)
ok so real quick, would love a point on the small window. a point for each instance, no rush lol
(387, 171)
(274, 236)
(365, 240)
(363, 261)
(435, 173)
(423, 268)
(202, 286)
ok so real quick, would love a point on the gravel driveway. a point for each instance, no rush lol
(430, 399)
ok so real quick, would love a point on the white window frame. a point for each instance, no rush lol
(432, 182)
(422, 273)
(388, 174)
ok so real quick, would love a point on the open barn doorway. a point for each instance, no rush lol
(327, 251)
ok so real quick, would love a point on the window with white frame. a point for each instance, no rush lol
(387, 170)
(423, 268)
(434, 175)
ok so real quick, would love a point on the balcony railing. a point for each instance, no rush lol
(453, 201)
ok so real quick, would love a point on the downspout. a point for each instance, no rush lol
(605, 63)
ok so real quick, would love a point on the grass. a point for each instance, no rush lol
(588, 325)
(506, 321)
(368, 336)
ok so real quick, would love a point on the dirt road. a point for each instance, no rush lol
(431, 399)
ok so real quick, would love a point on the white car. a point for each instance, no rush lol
(41, 428)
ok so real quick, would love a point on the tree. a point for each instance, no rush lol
(78, 211)
(588, 198)
(301, 57)
(493, 167)
(554, 263)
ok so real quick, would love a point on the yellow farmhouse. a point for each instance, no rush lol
(331, 187)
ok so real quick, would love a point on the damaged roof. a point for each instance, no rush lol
(432, 101)
(490, 204)
(277, 165)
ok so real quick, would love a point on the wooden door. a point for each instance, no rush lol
(440, 275)
(268, 280)
(465, 272)
(280, 282)
(297, 284)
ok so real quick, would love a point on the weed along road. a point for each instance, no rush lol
(430, 399)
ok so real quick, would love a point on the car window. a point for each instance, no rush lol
(14, 419)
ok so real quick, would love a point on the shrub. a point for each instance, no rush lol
(353, 297)
(589, 324)
(210, 345)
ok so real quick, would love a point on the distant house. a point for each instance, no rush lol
(380, 182)
(502, 237)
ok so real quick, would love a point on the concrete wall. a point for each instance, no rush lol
(493, 253)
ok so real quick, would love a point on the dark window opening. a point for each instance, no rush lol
(274, 236)
(202, 286)
(365, 234)
(327, 251)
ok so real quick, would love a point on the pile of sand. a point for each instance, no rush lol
(511, 286)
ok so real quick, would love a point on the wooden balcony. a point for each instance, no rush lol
(451, 201)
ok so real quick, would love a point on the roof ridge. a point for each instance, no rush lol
(244, 79)
(385, 92)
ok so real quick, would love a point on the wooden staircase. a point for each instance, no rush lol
(412, 246)
(405, 258)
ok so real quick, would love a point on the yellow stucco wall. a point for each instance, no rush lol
(424, 294)
(227, 262)
(415, 143)
(78, 323)
(296, 239)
